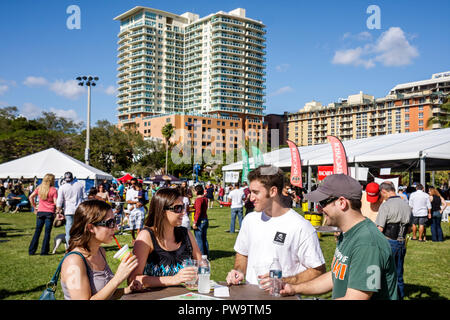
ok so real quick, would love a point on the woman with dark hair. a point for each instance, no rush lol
(438, 206)
(102, 193)
(163, 244)
(92, 279)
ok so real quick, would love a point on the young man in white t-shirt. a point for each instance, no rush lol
(237, 204)
(273, 230)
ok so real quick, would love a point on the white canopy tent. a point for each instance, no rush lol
(37, 165)
(428, 150)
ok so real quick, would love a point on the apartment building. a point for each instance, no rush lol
(276, 129)
(200, 133)
(170, 63)
(362, 115)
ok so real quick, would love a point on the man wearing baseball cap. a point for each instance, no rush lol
(70, 195)
(363, 266)
(371, 201)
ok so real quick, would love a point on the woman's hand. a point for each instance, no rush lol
(126, 267)
(134, 287)
(185, 274)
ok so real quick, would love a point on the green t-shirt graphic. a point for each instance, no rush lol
(363, 261)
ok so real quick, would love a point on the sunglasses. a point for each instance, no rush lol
(327, 201)
(111, 223)
(177, 209)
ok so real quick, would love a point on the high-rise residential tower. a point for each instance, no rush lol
(172, 63)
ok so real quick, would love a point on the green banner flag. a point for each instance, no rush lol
(257, 157)
(245, 166)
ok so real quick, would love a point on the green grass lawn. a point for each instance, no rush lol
(23, 277)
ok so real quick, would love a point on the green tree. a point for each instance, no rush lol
(167, 132)
(53, 122)
(20, 137)
(111, 148)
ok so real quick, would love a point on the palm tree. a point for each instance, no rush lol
(443, 117)
(167, 132)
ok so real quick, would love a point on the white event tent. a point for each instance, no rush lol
(37, 165)
(423, 150)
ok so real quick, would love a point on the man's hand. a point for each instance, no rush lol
(287, 290)
(234, 277)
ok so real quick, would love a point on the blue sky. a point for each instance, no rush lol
(316, 50)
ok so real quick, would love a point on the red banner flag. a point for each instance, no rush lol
(324, 171)
(339, 155)
(296, 165)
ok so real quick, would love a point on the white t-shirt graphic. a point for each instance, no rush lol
(289, 237)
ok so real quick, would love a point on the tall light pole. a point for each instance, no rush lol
(89, 82)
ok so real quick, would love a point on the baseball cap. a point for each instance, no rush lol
(372, 192)
(336, 185)
(68, 176)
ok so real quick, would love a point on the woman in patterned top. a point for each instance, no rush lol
(163, 244)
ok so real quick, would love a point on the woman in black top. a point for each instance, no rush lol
(436, 214)
(163, 244)
(210, 195)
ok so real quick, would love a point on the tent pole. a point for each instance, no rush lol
(432, 177)
(309, 184)
(422, 168)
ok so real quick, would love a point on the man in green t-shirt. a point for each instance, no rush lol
(363, 266)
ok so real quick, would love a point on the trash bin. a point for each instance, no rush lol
(316, 221)
(305, 206)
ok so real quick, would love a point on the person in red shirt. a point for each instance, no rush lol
(201, 223)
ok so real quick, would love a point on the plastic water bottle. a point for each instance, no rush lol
(204, 272)
(275, 277)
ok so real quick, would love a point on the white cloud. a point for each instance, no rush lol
(394, 49)
(282, 90)
(352, 57)
(362, 36)
(35, 81)
(282, 67)
(111, 90)
(3, 88)
(391, 49)
(69, 89)
(69, 114)
(31, 111)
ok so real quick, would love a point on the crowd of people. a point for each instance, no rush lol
(375, 223)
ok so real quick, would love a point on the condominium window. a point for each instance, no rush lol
(420, 115)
